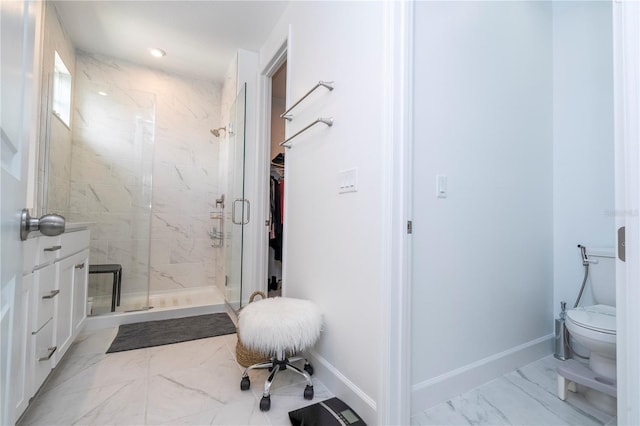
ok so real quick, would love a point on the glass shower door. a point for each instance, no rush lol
(238, 211)
(111, 187)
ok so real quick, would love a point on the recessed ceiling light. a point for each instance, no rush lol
(157, 53)
(101, 93)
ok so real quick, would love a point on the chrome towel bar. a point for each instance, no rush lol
(328, 121)
(327, 84)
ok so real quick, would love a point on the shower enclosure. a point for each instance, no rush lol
(140, 168)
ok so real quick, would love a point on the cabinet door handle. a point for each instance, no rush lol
(52, 350)
(80, 266)
(51, 295)
(53, 248)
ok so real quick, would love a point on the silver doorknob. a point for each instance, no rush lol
(49, 224)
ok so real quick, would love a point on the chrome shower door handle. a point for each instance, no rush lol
(242, 220)
(248, 211)
(233, 212)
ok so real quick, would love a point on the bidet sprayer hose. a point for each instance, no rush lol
(585, 263)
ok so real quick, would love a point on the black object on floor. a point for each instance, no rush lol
(332, 412)
(165, 332)
(116, 270)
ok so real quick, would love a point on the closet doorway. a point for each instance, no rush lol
(276, 182)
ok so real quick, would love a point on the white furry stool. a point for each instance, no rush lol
(278, 326)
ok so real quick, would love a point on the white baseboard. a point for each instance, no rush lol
(439, 389)
(344, 388)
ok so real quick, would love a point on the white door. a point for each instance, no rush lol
(19, 21)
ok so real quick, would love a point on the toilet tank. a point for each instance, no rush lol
(602, 274)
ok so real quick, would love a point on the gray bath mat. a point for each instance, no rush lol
(165, 332)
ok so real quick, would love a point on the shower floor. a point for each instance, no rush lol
(201, 296)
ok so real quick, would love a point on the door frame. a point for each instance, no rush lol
(626, 28)
(262, 159)
(394, 391)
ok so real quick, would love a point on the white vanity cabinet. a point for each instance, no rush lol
(52, 308)
(71, 302)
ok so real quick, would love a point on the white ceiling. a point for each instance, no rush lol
(200, 37)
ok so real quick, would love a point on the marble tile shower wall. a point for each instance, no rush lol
(183, 182)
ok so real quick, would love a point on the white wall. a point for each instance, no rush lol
(332, 242)
(482, 257)
(583, 152)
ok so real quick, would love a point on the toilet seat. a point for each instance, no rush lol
(599, 318)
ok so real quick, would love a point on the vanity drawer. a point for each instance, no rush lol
(49, 249)
(29, 255)
(45, 296)
(43, 350)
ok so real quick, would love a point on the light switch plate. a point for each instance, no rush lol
(441, 186)
(348, 181)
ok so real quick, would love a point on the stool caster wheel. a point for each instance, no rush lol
(265, 403)
(308, 368)
(245, 383)
(308, 392)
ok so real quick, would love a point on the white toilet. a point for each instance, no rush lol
(594, 328)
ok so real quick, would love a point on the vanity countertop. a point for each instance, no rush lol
(77, 226)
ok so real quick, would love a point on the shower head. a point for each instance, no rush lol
(216, 132)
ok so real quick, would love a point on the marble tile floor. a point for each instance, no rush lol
(526, 396)
(197, 383)
(190, 383)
